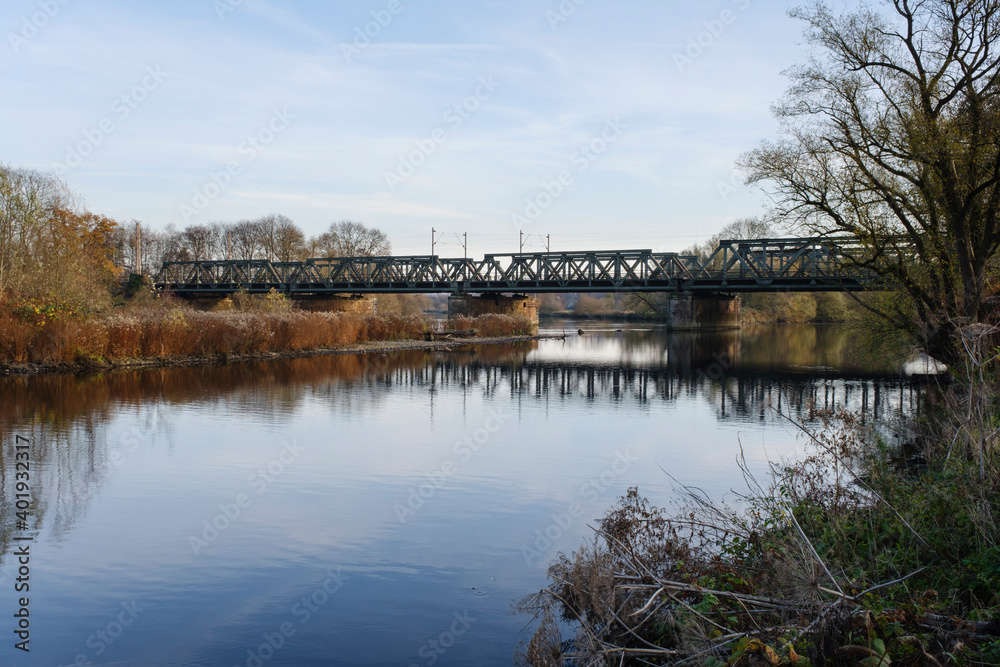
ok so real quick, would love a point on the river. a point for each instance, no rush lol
(374, 509)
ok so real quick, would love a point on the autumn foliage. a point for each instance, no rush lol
(30, 335)
(53, 257)
(168, 330)
(63, 297)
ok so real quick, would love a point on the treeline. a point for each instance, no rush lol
(56, 255)
(780, 307)
(68, 291)
(51, 250)
(271, 237)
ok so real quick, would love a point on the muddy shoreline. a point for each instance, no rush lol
(376, 347)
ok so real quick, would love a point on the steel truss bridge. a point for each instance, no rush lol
(736, 266)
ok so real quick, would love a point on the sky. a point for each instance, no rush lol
(600, 124)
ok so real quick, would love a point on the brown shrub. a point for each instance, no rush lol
(15, 339)
(392, 327)
(175, 331)
(124, 337)
(345, 329)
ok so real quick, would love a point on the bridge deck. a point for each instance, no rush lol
(763, 265)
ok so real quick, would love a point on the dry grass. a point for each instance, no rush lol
(174, 331)
(495, 325)
(244, 325)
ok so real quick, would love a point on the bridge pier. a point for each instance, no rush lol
(358, 305)
(467, 305)
(704, 312)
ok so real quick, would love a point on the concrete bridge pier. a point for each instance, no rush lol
(704, 312)
(467, 305)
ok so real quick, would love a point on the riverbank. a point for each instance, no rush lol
(35, 340)
(377, 348)
(879, 545)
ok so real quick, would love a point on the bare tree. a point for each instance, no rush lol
(198, 241)
(174, 249)
(289, 241)
(247, 243)
(219, 240)
(267, 230)
(744, 228)
(352, 239)
(28, 200)
(123, 241)
(891, 132)
(153, 251)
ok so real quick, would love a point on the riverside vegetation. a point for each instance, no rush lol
(881, 546)
(72, 292)
(264, 324)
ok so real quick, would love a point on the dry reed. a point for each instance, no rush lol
(169, 328)
(495, 325)
(176, 332)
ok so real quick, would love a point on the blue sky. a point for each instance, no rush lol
(597, 122)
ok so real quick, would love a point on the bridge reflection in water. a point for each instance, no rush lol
(735, 396)
(735, 393)
(174, 443)
(744, 376)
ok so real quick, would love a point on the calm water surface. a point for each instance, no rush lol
(373, 509)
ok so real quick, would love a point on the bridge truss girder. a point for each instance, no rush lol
(764, 265)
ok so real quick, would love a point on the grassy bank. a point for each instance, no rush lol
(53, 336)
(864, 552)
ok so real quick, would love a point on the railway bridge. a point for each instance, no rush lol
(705, 288)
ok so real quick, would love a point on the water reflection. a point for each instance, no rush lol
(168, 445)
(779, 350)
(741, 374)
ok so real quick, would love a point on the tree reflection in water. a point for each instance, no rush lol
(739, 373)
